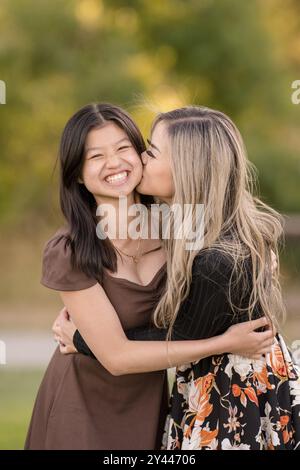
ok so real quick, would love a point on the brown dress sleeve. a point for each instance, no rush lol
(57, 270)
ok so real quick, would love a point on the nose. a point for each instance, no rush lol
(112, 161)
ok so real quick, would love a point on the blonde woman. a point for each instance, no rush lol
(196, 156)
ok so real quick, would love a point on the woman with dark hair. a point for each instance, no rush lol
(121, 401)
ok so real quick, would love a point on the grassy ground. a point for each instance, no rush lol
(18, 389)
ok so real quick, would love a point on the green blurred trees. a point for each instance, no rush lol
(57, 55)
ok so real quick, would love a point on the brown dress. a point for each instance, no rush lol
(80, 405)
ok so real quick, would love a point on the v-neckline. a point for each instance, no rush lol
(123, 279)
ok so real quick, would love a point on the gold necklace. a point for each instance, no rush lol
(137, 256)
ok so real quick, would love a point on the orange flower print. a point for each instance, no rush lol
(284, 420)
(262, 381)
(244, 393)
(277, 362)
(249, 391)
(239, 404)
(199, 396)
(236, 390)
(207, 436)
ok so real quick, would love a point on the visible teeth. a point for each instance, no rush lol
(116, 178)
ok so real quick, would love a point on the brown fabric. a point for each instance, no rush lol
(57, 272)
(80, 405)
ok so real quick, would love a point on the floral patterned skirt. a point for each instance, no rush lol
(230, 402)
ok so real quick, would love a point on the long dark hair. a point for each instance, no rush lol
(89, 253)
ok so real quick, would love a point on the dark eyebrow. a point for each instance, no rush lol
(152, 145)
(117, 143)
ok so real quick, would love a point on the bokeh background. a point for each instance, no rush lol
(55, 56)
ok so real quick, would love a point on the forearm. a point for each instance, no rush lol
(104, 334)
(131, 357)
(143, 356)
(139, 356)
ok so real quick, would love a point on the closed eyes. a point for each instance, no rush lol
(95, 156)
(150, 153)
(124, 147)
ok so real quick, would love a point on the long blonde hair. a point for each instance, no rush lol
(210, 167)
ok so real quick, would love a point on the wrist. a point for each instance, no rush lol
(221, 344)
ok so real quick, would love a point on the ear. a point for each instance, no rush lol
(80, 181)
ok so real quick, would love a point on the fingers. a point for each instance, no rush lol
(265, 348)
(253, 356)
(59, 316)
(274, 330)
(256, 357)
(58, 334)
(55, 324)
(266, 351)
(262, 340)
(66, 320)
(265, 336)
(258, 323)
(66, 349)
(58, 340)
(63, 349)
(56, 329)
(65, 313)
(269, 343)
(263, 322)
(271, 327)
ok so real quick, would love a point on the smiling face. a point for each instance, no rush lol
(157, 177)
(112, 167)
